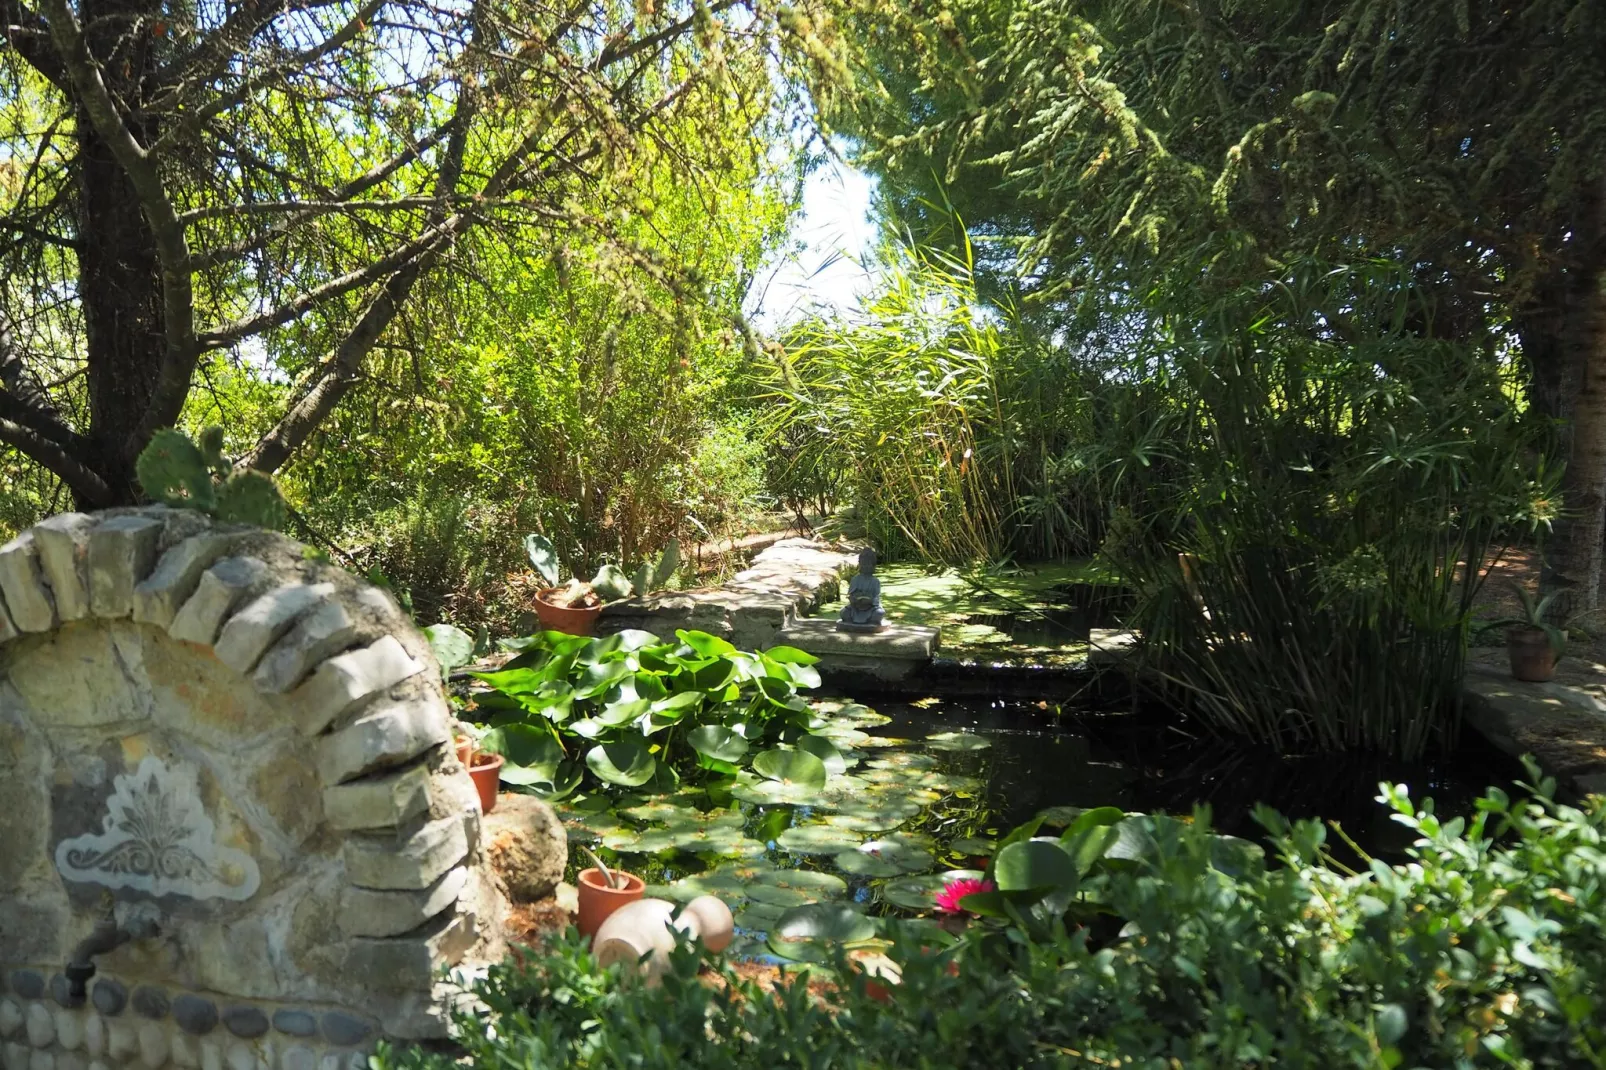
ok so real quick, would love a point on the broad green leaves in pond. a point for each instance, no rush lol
(794, 768)
(627, 763)
(649, 713)
(807, 933)
(957, 741)
(819, 839)
(884, 858)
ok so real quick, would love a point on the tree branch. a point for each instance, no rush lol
(28, 35)
(86, 486)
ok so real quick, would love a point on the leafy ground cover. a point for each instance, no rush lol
(1141, 944)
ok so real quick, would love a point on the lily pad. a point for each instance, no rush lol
(627, 763)
(972, 846)
(920, 892)
(823, 749)
(806, 933)
(705, 839)
(660, 810)
(958, 741)
(717, 742)
(819, 839)
(884, 858)
(794, 768)
(779, 898)
(814, 884)
(1059, 816)
(846, 735)
(759, 917)
(874, 813)
(903, 761)
(760, 792)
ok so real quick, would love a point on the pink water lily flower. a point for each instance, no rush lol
(952, 892)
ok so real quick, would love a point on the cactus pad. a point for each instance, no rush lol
(251, 497)
(172, 471)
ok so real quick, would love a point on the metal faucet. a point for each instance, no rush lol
(107, 935)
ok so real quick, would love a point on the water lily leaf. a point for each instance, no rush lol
(818, 839)
(760, 792)
(452, 646)
(1236, 857)
(824, 750)
(1035, 865)
(624, 838)
(705, 645)
(779, 692)
(717, 742)
(791, 767)
(600, 677)
(676, 706)
(710, 677)
(759, 917)
(958, 741)
(846, 736)
(705, 839)
(626, 763)
(616, 714)
(773, 895)
(804, 934)
(660, 810)
(972, 846)
(1134, 840)
(904, 761)
(884, 858)
(872, 816)
(920, 892)
(726, 884)
(816, 884)
(791, 655)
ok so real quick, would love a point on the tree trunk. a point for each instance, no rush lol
(1574, 564)
(119, 280)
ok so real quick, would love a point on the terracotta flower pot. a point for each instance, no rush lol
(465, 749)
(576, 620)
(1533, 659)
(597, 900)
(486, 770)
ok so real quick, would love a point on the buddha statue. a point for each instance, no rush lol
(863, 612)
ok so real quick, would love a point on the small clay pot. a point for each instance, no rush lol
(486, 770)
(598, 900)
(1533, 659)
(465, 749)
(570, 620)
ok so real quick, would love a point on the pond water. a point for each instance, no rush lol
(929, 786)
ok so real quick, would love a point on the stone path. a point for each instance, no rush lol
(1561, 723)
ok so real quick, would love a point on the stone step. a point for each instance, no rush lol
(894, 653)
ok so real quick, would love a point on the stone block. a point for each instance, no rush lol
(27, 598)
(371, 912)
(526, 847)
(63, 541)
(8, 630)
(390, 734)
(343, 682)
(327, 629)
(378, 802)
(220, 589)
(158, 597)
(896, 642)
(122, 551)
(249, 633)
(411, 962)
(409, 863)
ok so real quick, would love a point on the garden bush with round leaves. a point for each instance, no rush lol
(1485, 948)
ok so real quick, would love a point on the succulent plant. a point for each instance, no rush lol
(611, 583)
(174, 471)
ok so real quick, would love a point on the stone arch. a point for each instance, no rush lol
(214, 726)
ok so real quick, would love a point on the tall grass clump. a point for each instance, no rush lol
(1334, 483)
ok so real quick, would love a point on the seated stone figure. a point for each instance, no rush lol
(863, 612)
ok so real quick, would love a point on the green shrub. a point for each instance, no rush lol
(1484, 949)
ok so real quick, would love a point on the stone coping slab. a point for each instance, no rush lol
(1563, 725)
(895, 642)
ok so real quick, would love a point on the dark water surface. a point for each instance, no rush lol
(1148, 761)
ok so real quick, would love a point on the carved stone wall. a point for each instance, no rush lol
(212, 727)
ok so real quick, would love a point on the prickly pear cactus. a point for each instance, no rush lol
(211, 444)
(172, 471)
(668, 562)
(251, 497)
(175, 471)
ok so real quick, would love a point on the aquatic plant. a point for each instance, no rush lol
(634, 711)
(950, 899)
